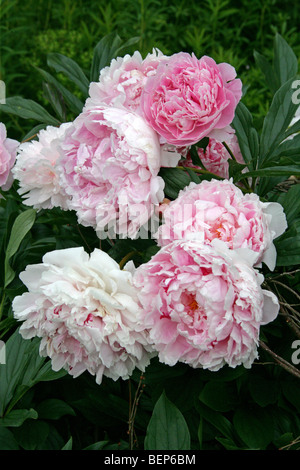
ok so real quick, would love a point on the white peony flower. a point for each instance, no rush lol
(36, 169)
(85, 309)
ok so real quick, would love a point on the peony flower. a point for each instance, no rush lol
(218, 209)
(189, 98)
(203, 304)
(109, 168)
(36, 169)
(8, 151)
(121, 83)
(86, 312)
(215, 157)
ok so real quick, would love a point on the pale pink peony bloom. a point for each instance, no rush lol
(204, 305)
(189, 98)
(86, 312)
(121, 83)
(37, 172)
(8, 152)
(218, 209)
(215, 157)
(109, 168)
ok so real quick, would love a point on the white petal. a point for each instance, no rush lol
(278, 223)
(271, 307)
(269, 257)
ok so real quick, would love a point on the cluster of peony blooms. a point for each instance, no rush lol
(199, 300)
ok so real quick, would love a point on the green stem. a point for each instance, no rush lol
(126, 258)
(206, 172)
(2, 305)
(198, 170)
(229, 151)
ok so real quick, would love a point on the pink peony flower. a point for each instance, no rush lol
(8, 151)
(86, 312)
(215, 157)
(218, 209)
(189, 98)
(36, 169)
(203, 304)
(109, 168)
(121, 83)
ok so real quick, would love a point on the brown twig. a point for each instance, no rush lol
(29, 138)
(282, 362)
(291, 444)
(133, 410)
(285, 287)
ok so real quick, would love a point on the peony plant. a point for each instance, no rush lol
(176, 199)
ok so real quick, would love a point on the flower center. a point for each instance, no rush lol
(193, 305)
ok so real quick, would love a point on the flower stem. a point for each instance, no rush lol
(2, 304)
(133, 410)
(126, 258)
(29, 138)
(229, 151)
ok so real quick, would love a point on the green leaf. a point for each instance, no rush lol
(28, 109)
(175, 180)
(267, 70)
(70, 68)
(68, 445)
(254, 426)
(16, 418)
(284, 66)
(167, 429)
(285, 63)
(290, 203)
(47, 374)
(235, 170)
(55, 99)
(216, 419)
(53, 408)
(293, 129)
(277, 121)
(263, 390)
(289, 148)
(284, 170)
(97, 445)
(157, 371)
(288, 246)
(32, 133)
(11, 372)
(246, 134)
(32, 434)
(22, 225)
(228, 444)
(290, 390)
(74, 103)
(21, 372)
(285, 439)
(220, 396)
(106, 50)
(7, 440)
